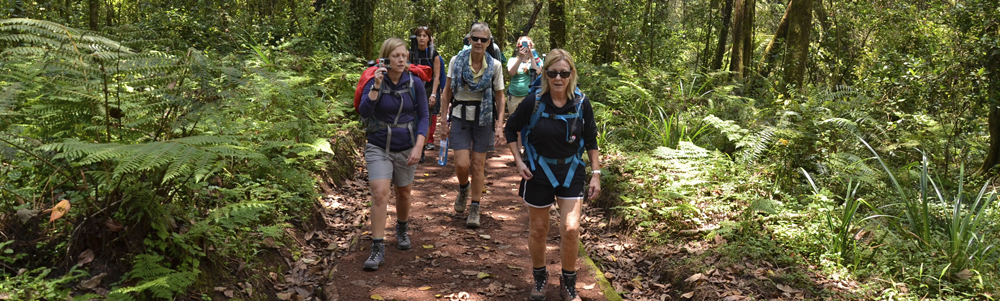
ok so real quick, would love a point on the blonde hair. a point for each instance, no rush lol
(553, 57)
(389, 45)
(481, 27)
(531, 43)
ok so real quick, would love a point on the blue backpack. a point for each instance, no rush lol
(534, 159)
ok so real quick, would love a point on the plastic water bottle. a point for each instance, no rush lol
(443, 155)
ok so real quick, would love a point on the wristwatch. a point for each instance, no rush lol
(596, 172)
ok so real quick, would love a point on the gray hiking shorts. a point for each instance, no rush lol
(466, 134)
(383, 166)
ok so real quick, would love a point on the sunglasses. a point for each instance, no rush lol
(553, 73)
(478, 39)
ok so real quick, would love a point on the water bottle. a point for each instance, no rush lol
(443, 155)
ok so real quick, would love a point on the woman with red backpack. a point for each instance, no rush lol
(423, 53)
(394, 104)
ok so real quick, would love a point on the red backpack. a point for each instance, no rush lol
(425, 73)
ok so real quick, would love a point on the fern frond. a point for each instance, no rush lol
(177, 156)
(753, 146)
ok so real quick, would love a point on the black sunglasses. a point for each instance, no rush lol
(553, 73)
(478, 39)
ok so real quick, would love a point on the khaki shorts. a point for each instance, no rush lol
(382, 166)
(512, 104)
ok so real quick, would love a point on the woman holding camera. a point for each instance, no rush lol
(475, 79)
(557, 131)
(425, 54)
(396, 105)
(522, 70)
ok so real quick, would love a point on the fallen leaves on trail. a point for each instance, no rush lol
(424, 288)
(92, 282)
(482, 275)
(377, 297)
(113, 225)
(59, 210)
(85, 257)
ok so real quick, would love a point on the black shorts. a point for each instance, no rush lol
(539, 193)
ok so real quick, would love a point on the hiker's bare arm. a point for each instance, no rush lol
(431, 100)
(414, 157)
(595, 178)
(445, 108)
(522, 169)
(501, 105)
(512, 68)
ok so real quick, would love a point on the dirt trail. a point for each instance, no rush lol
(449, 258)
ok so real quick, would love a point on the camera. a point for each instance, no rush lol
(524, 44)
(384, 62)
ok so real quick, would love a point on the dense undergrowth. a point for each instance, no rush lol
(859, 193)
(171, 163)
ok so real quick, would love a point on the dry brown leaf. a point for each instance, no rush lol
(964, 274)
(59, 210)
(113, 225)
(688, 295)
(284, 296)
(93, 281)
(695, 277)
(228, 293)
(787, 289)
(470, 273)
(85, 257)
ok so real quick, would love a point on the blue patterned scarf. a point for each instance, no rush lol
(484, 86)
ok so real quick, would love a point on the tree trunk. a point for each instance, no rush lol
(93, 6)
(993, 101)
(109, 14)
(771, 52)
(557, 24)
(704, 55)
(501, 38)
(607, 48)
(741, 33)
(363, 12)
(720, 50)
(319, 5)
(748, 23)
(647, 55)
(799, 27)
(531, 21)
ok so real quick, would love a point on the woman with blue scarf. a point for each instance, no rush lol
(475, 87)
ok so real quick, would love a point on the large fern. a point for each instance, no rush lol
(183, 156)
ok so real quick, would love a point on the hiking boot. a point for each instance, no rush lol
(377, 258)
(567, 287)
(463, 196)
(429, 146)
(402, 239)
(541, 277)
(473, 220)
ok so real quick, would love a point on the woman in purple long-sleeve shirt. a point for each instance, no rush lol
(395, 103)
